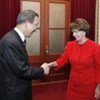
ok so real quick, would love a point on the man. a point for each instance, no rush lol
(15, 71)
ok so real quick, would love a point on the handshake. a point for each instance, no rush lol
(46, 67)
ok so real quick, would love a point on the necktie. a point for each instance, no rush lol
(24, 42)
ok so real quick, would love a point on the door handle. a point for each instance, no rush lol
(47, 49)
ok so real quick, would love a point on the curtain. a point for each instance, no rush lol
(84, 9)
(9, 10)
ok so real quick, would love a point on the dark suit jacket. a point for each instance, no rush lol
(15, 70)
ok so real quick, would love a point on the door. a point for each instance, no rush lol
(57, 17)
(48, 42)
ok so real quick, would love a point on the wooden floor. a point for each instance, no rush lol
(55, 90)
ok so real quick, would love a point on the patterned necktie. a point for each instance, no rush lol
(24, 42)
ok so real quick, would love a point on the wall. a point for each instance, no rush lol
(97, 29)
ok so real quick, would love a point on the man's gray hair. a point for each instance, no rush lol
(26, 15)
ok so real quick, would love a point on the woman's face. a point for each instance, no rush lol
(78, 35)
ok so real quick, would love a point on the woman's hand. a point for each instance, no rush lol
(97, 92)
(52, 64)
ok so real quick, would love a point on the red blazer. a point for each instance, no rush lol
(84, 60)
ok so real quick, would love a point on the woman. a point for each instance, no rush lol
(83, 55)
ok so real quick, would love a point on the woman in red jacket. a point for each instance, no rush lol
(84, 57)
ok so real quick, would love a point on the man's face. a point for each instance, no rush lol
(31, 27)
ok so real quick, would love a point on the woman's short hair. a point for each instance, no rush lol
(80, 24)
(26, 15)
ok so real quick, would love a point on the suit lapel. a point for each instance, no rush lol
(21, 44)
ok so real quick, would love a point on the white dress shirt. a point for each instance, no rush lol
(20, 34)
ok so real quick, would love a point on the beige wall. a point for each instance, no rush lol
(97, 29)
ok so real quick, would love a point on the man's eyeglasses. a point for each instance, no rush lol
(36, 24)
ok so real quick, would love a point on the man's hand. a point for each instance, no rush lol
(46, 68)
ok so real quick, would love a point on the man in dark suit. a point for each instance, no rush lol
(15, 71)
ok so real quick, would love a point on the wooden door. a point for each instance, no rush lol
(35, 44)
(48, 42)
(57, 18)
